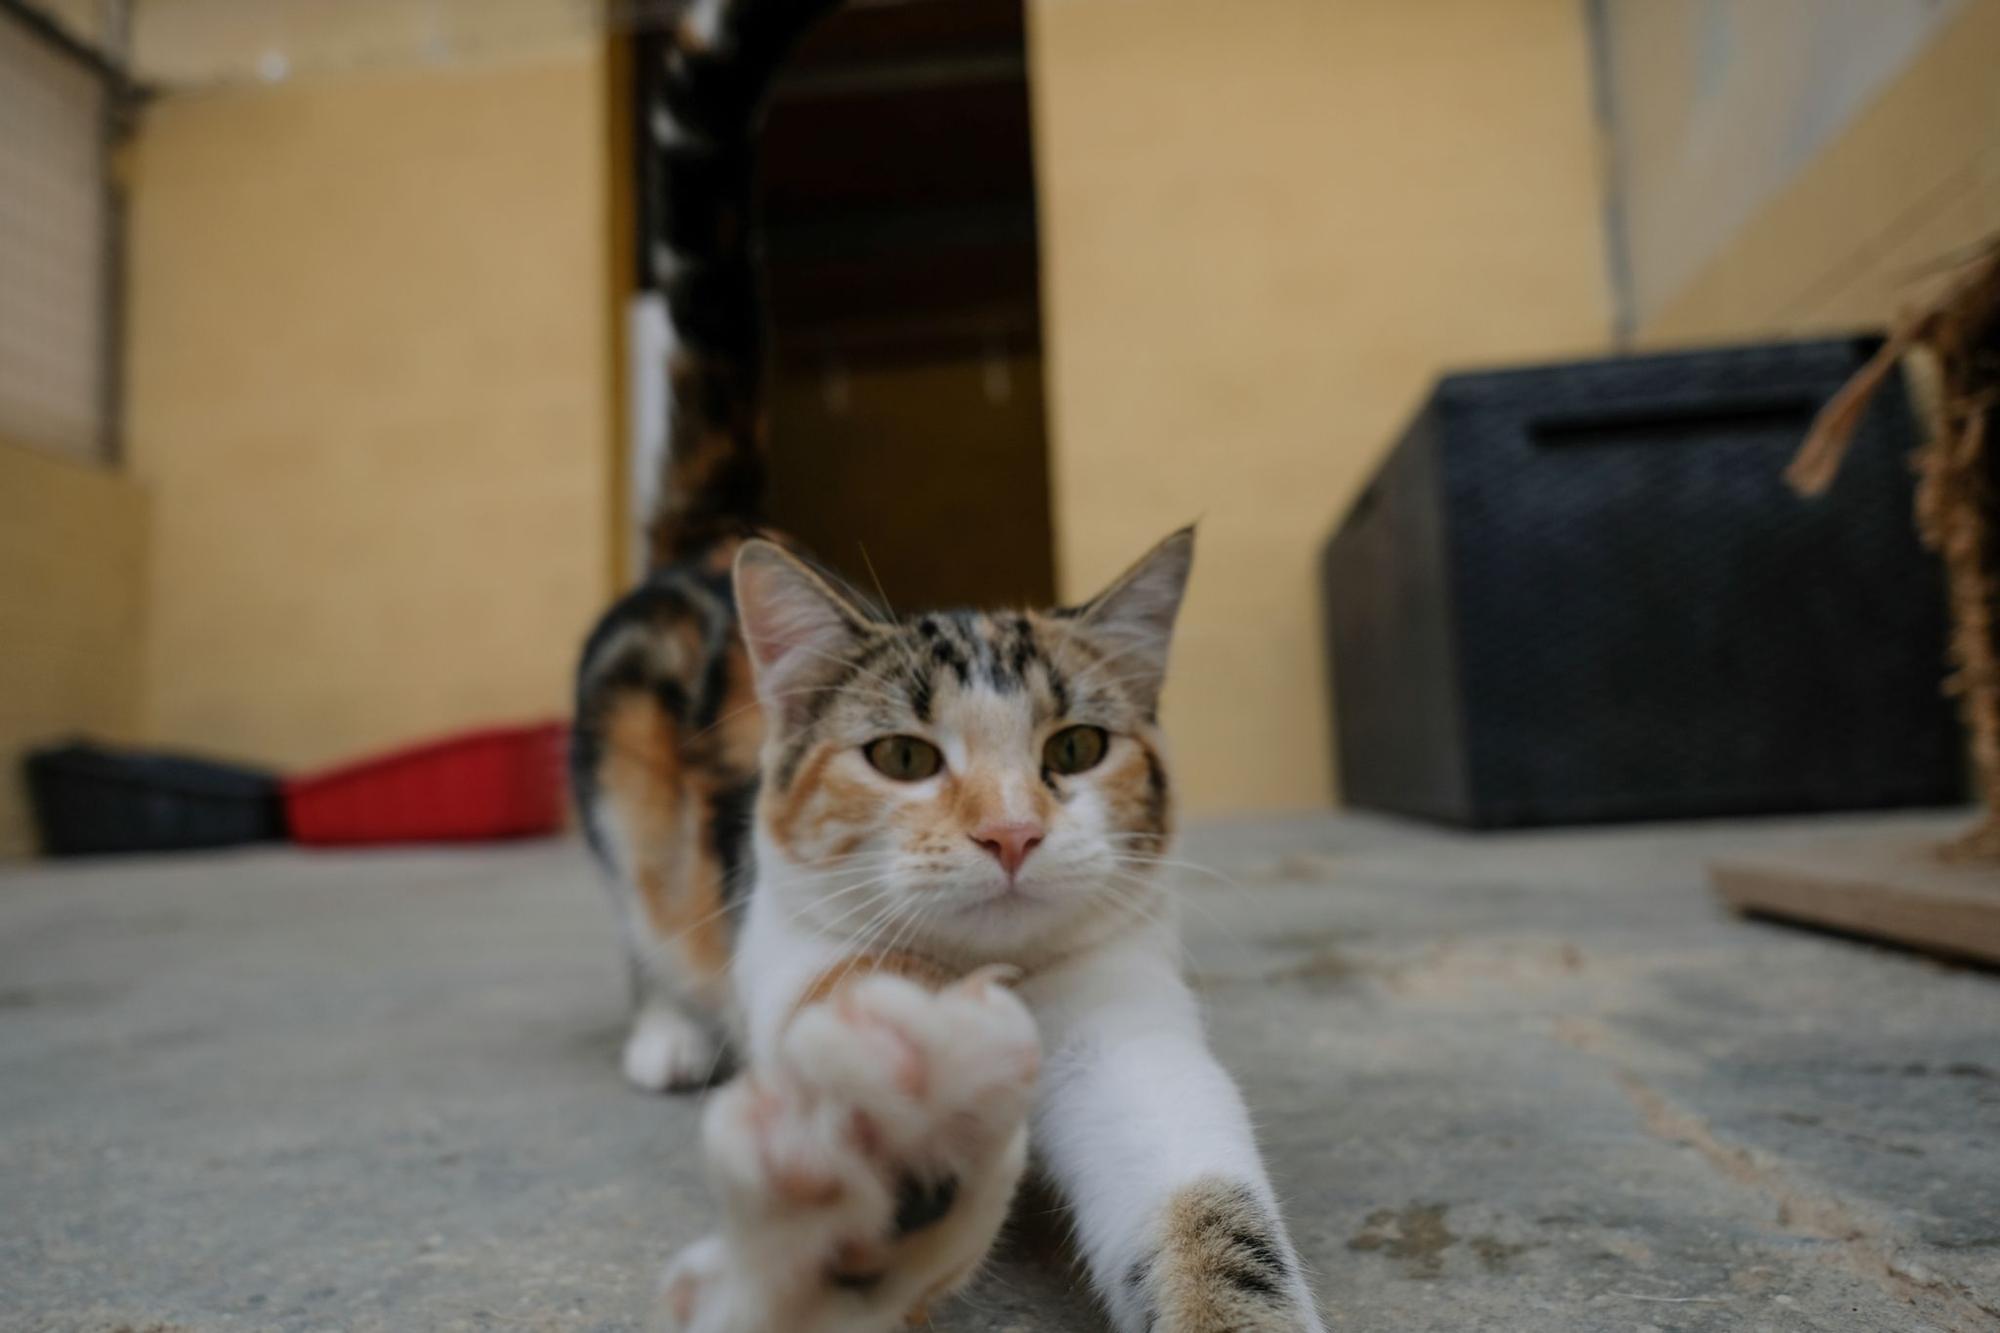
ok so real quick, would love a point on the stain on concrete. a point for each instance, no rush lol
(1417, 1235)
(1494, 1253)
(1885, 1145)
(1808, 1121)
(1970, 1243)
(1325, 938)
(1323, 970)
(54, 995)
(1920, 1069)
(1299, 868)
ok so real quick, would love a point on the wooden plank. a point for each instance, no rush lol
(1890, 888)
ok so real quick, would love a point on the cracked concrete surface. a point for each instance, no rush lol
(1537, 1081)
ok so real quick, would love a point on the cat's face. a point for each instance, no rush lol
(979, 780)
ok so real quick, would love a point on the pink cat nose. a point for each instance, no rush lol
(1009, 844)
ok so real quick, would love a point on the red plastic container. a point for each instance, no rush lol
(504, 782)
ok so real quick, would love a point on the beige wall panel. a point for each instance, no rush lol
(1266, 226)
(368, 391)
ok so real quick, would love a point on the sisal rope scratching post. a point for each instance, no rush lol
(1907, 889)
(1950, 350)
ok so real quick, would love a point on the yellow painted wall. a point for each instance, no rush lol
(369, 394)
(1860, 232)
(1266, 225)
(72, 546)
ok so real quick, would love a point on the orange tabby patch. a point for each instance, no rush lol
(972, 801)
(909, 966)
(1136, 797)
(792, 806)
(739, 726)
(698, 919)
(824, 813)
(642, 778)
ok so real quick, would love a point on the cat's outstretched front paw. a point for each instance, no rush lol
(1220, 1264)
(865, 1170)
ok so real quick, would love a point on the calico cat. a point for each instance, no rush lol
(901, 869)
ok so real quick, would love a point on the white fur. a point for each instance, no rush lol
(1133, 1107)
(668, 1050)
(651, 344)
(704, 20)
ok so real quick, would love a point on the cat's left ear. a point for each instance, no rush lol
(1134, 617)
(795, 623)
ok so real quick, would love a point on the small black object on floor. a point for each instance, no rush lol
(90, 799)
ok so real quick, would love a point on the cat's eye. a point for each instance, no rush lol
(904, 758)
(1075, 749)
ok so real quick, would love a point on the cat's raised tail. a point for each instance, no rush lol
(705, 103)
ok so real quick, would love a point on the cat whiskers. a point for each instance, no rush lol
(1128, 862)
(878, 927)
(1145, 900)
(1173, 863)
(730, 908)
(874, 899)
(922, 908)
(876, 869)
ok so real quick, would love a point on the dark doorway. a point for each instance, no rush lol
(898, 198)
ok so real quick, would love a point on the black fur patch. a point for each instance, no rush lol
(1058, 688)
(730, 813)
(855, 1282)
(923, 1203)
(1259, 1250)
(1023, 653)
(1156, 791)
(950, 656)
(918, 687)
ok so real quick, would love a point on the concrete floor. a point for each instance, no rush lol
(1535, 1082)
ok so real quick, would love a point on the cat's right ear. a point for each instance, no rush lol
(795, 623)
(1134, 617)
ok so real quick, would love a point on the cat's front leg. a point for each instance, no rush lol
(866, 1166)
(1148, 1140)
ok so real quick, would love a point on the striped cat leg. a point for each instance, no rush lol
(1148, 1140)
(864, 1167)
